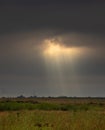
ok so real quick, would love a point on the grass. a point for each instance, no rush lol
(52, 120)
(48, 114)
(14, 106)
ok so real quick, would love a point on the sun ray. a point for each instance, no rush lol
(57, 57)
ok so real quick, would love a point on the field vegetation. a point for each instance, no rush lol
(52, 114)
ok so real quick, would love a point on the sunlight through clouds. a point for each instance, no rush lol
(57, 57)
(55, 49)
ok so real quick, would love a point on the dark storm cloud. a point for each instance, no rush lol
(63, 17)
(41, 2)
(81, 40)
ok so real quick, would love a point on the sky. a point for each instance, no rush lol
(52, 48)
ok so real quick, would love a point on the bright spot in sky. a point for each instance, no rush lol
(54, 49)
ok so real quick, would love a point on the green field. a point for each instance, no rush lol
(52, 114)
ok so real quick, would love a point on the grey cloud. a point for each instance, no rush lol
(83, 40)
(87, 18)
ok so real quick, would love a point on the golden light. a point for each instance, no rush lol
(54, 49)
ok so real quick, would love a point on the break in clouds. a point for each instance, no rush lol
(72, 34)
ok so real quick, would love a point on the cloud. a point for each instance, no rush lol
(82, 40)
(77, 17)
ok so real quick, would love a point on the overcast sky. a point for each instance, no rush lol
(52, 48)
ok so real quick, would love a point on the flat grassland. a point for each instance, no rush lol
(52, 114)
